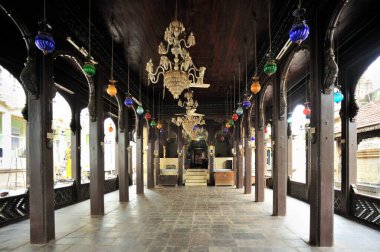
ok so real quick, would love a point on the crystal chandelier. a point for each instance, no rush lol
(190, 103)
(176, 65)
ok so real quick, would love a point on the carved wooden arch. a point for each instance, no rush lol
(261, 105)
(284, 77)
(28, 74)
(91, 86)
(331, 67)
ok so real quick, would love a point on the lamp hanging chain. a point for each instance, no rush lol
(307, 82)
(44, 10)
(112, 58)
(246, 68)
(234, 94)
(176, 5)
(337, 55)
(128, 74)
(299, 4)
(153, 100)
(89, 29)
(254, 31)
(239, 81)
(270, 32)
(140, 83)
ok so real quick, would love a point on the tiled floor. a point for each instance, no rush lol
(188, 219)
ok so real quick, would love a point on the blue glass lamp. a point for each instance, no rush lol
(300, 30)
(128, 101)
(45, 42)
(246, 102)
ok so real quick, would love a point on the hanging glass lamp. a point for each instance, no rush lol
(45, 42)
(111, 89)
(231, 122)
(338, 96)
(147, 116)
(153, 123)
(239, 110)
(307, 110)
(159, 125)
(270, 66)
(228, 125)
(225, 130)
(162, 131)
(246, 102)
(255, 86)
(128, 101)
(140, 110)
(252, 138)
(89, 68)
(300, 30)
(235, 117)
(290, 119)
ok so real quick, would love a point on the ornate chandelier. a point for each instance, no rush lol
(176, 65)
(190, 120)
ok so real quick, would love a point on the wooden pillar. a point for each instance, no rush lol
(75, 151)
(139, 156)
(180, 157)
(239, 153)
(211, 142)
(321, 192)
(97, 149)
(289, 142)
(349, 157)
(41, 192)
(247, 153)
(260, 154)
(150, 157)
(279, 170)
(157, 156)
(123, 156)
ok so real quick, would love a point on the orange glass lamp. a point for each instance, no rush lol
(111, 89)
(255, 86)
(159, 125)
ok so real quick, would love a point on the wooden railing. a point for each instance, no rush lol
(16, 208)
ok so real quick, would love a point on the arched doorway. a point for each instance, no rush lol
(61, 140)
(85, 145)
(367, 94)
(12, 134)
(109, 148)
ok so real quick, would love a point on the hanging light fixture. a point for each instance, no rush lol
(110, 128)
(255, 86)
(231, 122)
(228, 125)
(235, 117)
(89, 67)
(338, 96)
(300, 30)
(222, 138)
(159, 125)
(239, 110)
(153, 123)
(176, 65)
(139, 110)
(290, 119)
(246, 102)
(307, 110)
(128, 101)
(225, 130)
(147, 115)
(44, 40)
(111, 89)
(162, 131)
(270, 66)
(252, 138)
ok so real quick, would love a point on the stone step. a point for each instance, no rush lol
(197, 177)
(196, 184)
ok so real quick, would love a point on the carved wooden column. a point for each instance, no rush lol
(41, 191)
(240, 154)
(321, 190)
(139, 156)
(75, 149)
(180, 157)
(260, 154)
(97, 149)
(150, 157)
(123, 131)
(349, 148)
(211, 154)
(157, 156)
(279, 171)
(247, 153)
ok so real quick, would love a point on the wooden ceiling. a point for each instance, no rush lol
(221, 29)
